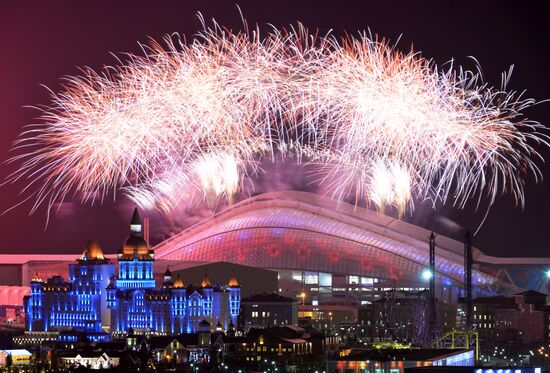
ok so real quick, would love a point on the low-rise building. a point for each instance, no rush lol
(17, 356)
(277, 346)
(402, 316)
(200, 348)
(267, 310)
(514, 320)
(90, 359)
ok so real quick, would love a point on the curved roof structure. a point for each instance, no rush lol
(304, 231)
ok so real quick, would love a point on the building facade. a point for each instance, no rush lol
(136, 303)
(95, 301)
(268, 310)
(512, 320)
(56, 304)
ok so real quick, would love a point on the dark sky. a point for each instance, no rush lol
(43, 41)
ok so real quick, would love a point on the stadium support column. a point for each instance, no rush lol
(468, 279)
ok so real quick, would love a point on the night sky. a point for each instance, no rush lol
(43, 41)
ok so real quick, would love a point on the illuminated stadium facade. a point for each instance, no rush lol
(331, 252)
(336, 251)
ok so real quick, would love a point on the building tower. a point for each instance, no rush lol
(135, 259)
(468, 279)
(178, 308)
(34, 319)
(131, 307)
(89, 277)
(208, 296)
(234, 300)
(57, 305)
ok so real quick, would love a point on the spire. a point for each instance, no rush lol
(135, 247)
(205, 283)
(136, 224)
(136, 219)
(233, 283)
(167, 276)
(179, 283)
(92, 251)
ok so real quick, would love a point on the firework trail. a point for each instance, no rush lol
(191, 120)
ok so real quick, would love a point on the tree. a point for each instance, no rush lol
(9, 361)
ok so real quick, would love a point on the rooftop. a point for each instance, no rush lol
(398, 354)
(267, 297)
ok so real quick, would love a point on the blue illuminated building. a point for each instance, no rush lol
(57, 305)
(94, 300)
(136, 303)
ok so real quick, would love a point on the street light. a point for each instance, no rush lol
(548, 273)
(303, 296)
(427, 274)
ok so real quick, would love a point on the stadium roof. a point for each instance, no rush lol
(304, 231)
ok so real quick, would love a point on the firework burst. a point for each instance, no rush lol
(193, 119)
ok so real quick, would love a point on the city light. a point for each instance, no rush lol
(426, 274)
(294, 158)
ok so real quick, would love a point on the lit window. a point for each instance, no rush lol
(353, 280)
(325, 279)
(311, 278)
(366, 281)
(297, 276)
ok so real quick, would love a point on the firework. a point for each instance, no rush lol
(189, 119)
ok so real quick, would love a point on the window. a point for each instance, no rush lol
(366, 281)
(311, 278)
(325, 279)
(353, 280)
(254, 313)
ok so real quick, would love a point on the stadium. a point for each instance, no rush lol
(335, 250)
(326, 251)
